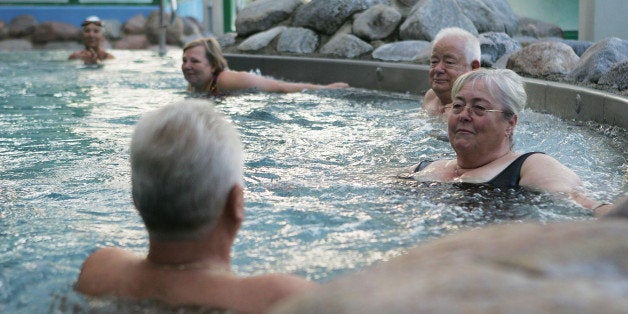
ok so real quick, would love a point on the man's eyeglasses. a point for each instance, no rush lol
(475, 109)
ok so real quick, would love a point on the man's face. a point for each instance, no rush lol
(447, 63)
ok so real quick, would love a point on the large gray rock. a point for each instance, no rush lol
(260, 40)
(134, 41)
(578, 46)
(261, 15)
(617, 76)
(227, 40)
(422, 23)
(599, 58)
(112, 29)
(575, 267)
(495, 45)
(191, 26)
(346, 45)
(543, 58)
(425, 56)
(538, 29)
(377, 22)
(491, 15)
(526, 40)
(403, 6)
(326, 16)
(135, 25)
(22, 25)
(407, 50)
(297, 40)
(55, 31)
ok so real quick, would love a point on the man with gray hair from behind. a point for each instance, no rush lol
(455, 51)
(187, 184)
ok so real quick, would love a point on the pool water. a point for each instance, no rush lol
(322, 193)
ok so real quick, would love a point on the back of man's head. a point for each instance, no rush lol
(185, 159)
(472, 50)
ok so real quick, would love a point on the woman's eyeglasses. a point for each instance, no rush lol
(475, 109)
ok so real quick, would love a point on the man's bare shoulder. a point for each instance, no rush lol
(431, 103)
(267, 290)
(101, 270)
(429, 96)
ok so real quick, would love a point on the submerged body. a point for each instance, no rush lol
(509, 177)
(481, 123)
(117, 272)
(186, 164)
(320, 201)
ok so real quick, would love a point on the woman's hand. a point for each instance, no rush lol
(90, 56)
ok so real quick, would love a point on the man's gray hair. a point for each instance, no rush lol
(471, 43)
(185, 159)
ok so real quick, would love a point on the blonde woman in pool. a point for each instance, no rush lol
(93, 37)
(205, 69)
(481, 124)
(187, 184)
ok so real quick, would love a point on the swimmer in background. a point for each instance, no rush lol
(93, 37)
(206, 70)
(455, 51)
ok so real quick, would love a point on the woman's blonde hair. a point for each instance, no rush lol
(212, 52)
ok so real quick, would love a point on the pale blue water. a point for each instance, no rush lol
(322, 197)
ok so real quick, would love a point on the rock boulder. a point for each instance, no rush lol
(574, 267)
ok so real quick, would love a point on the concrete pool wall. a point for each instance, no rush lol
(562, 100)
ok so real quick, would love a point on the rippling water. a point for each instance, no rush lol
(322, 197)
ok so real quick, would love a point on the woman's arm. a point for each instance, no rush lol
(234, 80)
(543, 172)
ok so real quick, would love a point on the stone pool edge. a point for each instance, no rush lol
(562, 100)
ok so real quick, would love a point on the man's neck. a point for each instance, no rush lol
(444, 98)
(433, 103)
(207, 249)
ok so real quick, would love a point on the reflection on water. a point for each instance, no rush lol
(322, 194)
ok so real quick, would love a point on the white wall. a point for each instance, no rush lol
(601, 19)
(213, 16)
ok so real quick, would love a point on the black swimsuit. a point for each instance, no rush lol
(213, 88)
(509, 177)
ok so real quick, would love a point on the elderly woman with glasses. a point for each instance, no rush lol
(481, 123)
(93, 37)
(205, 69)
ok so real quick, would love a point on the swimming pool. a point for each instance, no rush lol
(322, 197)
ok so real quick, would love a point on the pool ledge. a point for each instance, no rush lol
(563, 100)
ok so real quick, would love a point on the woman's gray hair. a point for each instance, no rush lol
(472, 50)
(185, 159)
(503, 85)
